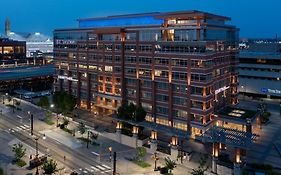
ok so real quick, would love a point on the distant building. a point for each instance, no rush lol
(37, 44)
(260, 69)
(12, 51)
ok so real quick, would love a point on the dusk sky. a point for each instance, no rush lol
(255, 18)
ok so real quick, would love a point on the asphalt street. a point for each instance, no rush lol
(18, 125)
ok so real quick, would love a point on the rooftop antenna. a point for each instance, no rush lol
(276, 44)
(7, 27)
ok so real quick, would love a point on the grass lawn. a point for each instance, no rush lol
(67, 130)
(83, 139)
(48, 121)
(20, 163)
(142, 163)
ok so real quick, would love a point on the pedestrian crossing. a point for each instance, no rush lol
(19, 129)
(102, 169)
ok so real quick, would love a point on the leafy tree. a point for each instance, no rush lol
(69, 103)
(44, 102)
(170, 164)
(81, 128)
(140, 114)
(202, 166)
(19, 151)
(94, 136)
(1, 171)
(141, 152)
(65, 122)
(64, 102)
(50, 167)
(131, 112)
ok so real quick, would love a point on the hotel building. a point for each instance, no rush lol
(181, 67)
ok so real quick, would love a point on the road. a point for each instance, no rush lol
(18, 125)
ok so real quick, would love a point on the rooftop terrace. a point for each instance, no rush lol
(155, 18)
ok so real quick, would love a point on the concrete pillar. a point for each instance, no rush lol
(174, 152)
(135, 135)
(237, 162)
(118, 132)
(215, 157)
(237, 169)
(153, 144)
(174, 148)
(214, 164)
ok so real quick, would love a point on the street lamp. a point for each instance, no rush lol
(37, 154)
(155, 158)
(52, 106)
(110, 151)
(88, 139)
(31, 122)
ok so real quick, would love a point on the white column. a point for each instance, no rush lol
(214, 164)
(237, 169)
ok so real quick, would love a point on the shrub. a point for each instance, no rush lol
(20, 163)
(141, 163)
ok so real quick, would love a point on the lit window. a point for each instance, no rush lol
(108, 68)
(158, 73)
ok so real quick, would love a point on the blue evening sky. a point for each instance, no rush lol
(255, 18)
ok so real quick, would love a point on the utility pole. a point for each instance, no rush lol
(36, 142)
(114, 163)
(88, 138)
(31, 124)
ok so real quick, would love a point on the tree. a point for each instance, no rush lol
(94, 136)
(64, 102)
(69, 103)
(50, 167)
(131, 112)
(44, 102)
(140, 114)
(170, 164)
(19, 151)
(1, 171)
(201, 168)
(141, 152)
(73, 173)
(65, 122)
(81, 128)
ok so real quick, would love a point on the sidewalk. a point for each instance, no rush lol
(101, 153)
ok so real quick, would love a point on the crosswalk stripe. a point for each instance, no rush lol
(106, 166)
(94, 168)
(23, 127)
(88, 169)
(100, 167)
(18, 128)
(27, 126)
